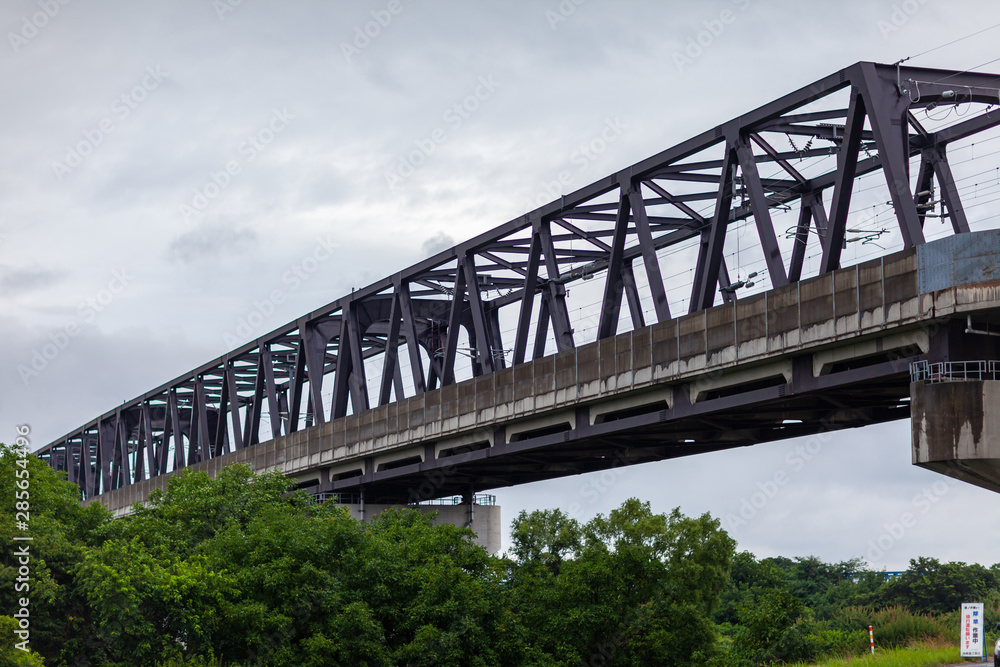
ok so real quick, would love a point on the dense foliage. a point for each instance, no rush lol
(242, 570)
(782, 610)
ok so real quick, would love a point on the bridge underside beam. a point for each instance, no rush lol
(820, 406)
(447, 310)
(830, 353)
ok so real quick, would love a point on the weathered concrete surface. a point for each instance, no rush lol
(854, 317)
(956, 429)
(861, 311)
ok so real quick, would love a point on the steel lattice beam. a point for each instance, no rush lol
(602, 229)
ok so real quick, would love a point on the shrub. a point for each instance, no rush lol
(894, 627)
(838, 642)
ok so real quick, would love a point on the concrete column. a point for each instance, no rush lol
(488, 524)
(468, 499)
(956, 429)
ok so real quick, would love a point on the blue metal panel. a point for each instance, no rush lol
(958, 260)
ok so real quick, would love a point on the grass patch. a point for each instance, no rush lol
(932, 655)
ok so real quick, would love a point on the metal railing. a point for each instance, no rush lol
(321, 498)
(954, 371)
(483, 499)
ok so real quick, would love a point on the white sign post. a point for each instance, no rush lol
(971, 634)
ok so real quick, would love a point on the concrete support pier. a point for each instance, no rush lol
(483, 519)
(956, 421)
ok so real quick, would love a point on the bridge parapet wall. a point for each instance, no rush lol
(861, 311)
(852, 303)
(703, 349)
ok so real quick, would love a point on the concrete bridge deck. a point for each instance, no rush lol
(824, 353)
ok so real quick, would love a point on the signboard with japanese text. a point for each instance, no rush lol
(971, 635)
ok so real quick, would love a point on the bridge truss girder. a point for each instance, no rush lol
(415, 320)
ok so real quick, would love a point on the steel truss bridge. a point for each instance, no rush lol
(494, 312)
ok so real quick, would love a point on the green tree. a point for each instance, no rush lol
(768, 632)
(10, 654)
(928, 586)
(63, 532)
(640, 588)
(442, 598)
(748, 578)
(861, 588)
(810, 579)
(242, 569)
(151, 605)
(545, 538)
(194, 507)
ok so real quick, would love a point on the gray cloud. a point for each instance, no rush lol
(15, 281)
(436, 244)
(209, 242)
(325, 175)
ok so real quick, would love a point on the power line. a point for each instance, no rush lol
(954, 41)
(965, 71)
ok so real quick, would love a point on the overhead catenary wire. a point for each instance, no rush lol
(808, 164)
(966, 71)
(941, 46)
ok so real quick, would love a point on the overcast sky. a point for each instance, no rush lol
(164, 164)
